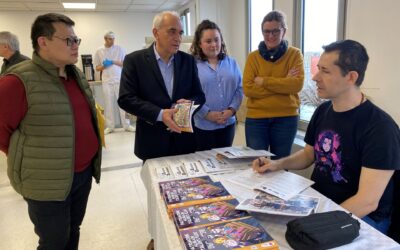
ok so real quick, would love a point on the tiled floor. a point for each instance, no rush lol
(116, 217)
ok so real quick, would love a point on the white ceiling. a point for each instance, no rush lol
(101, 5)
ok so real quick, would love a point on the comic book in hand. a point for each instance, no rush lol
(183, 117)
(207, 214)
(243, 234)
(200, 194)
(184, 183)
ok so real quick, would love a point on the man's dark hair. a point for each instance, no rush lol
(43, 26)
(195, 49)
(352, 57)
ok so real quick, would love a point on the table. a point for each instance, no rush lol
(162, 229)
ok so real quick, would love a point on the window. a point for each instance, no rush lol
(258, 9)
(185, 20)
(322, 24)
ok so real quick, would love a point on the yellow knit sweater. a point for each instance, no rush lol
(278, 95)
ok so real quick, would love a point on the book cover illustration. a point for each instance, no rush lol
(197, 192)
(206, 214)
(183, 117)
(300, 205)
(200, 194)
(242, 234)
(184, 183)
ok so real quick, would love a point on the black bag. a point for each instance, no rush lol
(322, 230)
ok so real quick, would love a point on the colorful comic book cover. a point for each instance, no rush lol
(300, 205)
(207, 214)
(200, 194)
(243, 234)
(184, 183)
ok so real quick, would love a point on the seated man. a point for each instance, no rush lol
(354, 144)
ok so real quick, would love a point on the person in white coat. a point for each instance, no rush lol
(108, 59)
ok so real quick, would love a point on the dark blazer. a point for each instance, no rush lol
(143, 93)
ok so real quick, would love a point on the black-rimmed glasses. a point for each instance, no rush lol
(274, 32)
(70, 40)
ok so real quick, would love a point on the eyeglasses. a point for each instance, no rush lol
(174, 32)
(70, 40)
(274, 32)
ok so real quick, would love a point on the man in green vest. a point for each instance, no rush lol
(48, 132)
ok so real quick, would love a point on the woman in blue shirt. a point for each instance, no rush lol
(221, 81)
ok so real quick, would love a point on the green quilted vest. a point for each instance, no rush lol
(41, 152)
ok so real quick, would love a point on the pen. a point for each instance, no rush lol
(260, 162)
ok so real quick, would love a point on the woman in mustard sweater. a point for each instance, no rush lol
(272, 79)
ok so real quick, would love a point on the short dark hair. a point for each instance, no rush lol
(352, 57)
(277, 16)
(195, 47)
(43, 26)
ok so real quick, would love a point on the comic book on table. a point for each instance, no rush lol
(207, 214)
(199, 194)
(244, 234)
(300, 205)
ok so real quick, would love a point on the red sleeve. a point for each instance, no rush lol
(13, 107)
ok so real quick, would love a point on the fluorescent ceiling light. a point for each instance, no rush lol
(79, 5)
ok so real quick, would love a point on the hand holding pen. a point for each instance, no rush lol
(263, 164)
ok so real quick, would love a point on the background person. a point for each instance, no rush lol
(221, 81)
(272, 79)
(50, 136)
(9, 50)
(362, 141)
(108, 60)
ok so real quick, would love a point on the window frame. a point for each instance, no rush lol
(298, 31)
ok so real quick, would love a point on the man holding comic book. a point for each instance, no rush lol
(152, 81)
(353, 144)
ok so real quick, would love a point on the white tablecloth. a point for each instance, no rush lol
(165, 236)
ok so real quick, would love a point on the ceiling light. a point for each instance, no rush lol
(79, 5)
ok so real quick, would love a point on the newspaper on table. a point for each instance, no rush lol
(299, 205)
(282, 184)
(183, 117)
(240, 152)
(179, 167)
(213, 164)
(163, 171)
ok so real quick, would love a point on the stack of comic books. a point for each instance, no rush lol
(205, 216)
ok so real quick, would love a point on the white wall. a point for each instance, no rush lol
(374, 24)
(130, 28)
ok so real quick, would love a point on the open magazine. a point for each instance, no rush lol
(183, 118)
(299, 205)
(282, 184)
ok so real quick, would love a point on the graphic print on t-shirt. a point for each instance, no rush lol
(328, 155)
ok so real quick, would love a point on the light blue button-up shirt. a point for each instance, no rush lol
(223, 89)
(167, 72)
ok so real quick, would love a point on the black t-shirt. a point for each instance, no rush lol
(344, 142)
